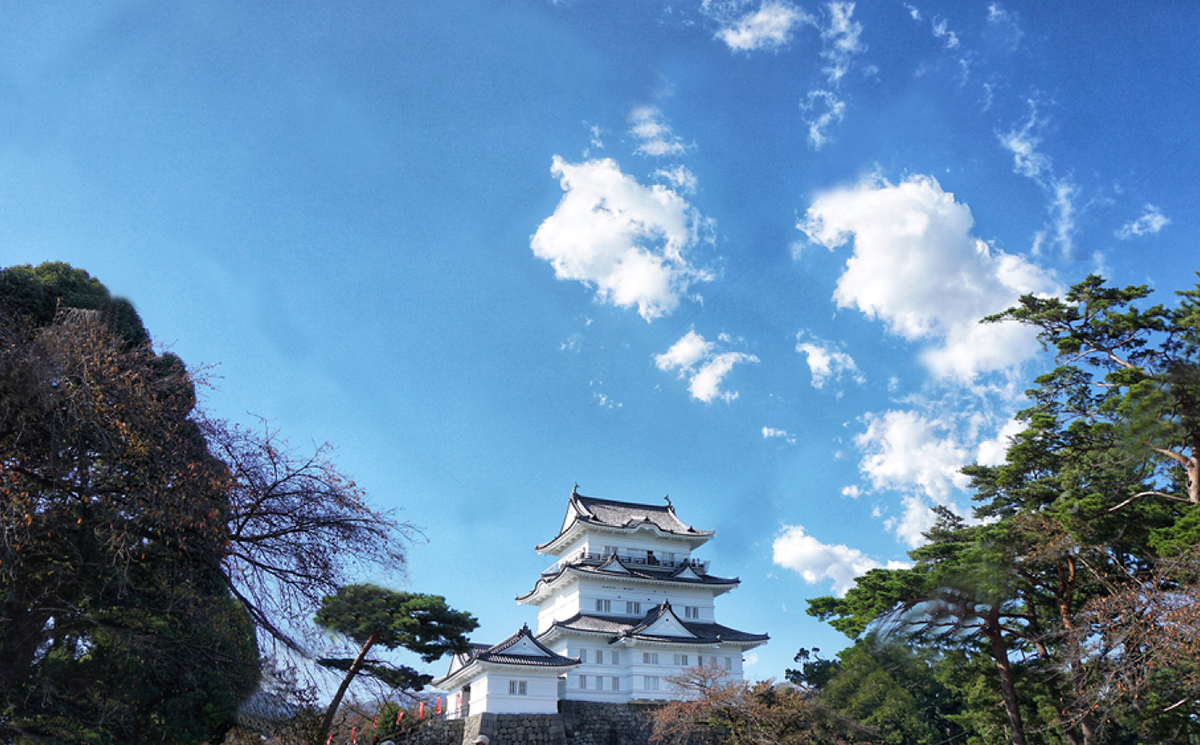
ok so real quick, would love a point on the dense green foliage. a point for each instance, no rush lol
(146, 550)
(116, 623)
(1065, 602)
(370, 616)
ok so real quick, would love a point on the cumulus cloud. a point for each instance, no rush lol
(914, 521)
(769, 27)
(916, 266)
(921, 454)
(647, 125)
(826, 361)
(1151, 221)
(819, 562)
(702, 365)
(903, 449)
(627, 240)
(992, 452)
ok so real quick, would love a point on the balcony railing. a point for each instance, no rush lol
(652, 563)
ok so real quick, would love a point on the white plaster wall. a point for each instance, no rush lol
(541, 693)
(585, 593)
(631, 668)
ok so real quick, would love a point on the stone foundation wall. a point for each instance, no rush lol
(590, 723)
(508, 729)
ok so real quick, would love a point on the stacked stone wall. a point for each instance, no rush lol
(590, 723)
(508, 729)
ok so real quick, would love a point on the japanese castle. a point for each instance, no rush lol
(624, 609)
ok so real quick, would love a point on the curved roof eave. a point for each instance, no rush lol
(697, 538)
(544, 584)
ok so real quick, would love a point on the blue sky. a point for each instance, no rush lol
(732, 252)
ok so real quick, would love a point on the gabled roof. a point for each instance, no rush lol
(610, 514)
(613, 568)
(522, 649)
(660, 625)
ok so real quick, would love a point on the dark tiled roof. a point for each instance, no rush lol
(499, 653)
(604, 570)
(617, 627)
(612, 514)
(628, 514)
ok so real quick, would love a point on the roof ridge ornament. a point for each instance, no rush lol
(668, 499)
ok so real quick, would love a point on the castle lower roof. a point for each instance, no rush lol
(659, 626)
(522, 650)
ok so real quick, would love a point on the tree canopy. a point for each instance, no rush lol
(1059, 578)
(370, 616)
(146, 549)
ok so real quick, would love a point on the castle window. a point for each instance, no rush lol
(681, 659)
(633, 608)
(603, 606)
(616, 684)
(517, 688)
(649, 658)
(650, 682)
(691, 611)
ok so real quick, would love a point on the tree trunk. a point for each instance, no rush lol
(355, 666)
(1008, 686)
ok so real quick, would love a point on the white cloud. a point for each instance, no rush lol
(851, 491)
(627, 240)
(679, 176)
(828, 109)
(1007, 23)
(1023, 141)
(827, 362)
(769, 27)
(912, 11)
(702, 365)
(917, 267)
(841, 38)
(903, 449)
(993, 452)
(646, 124)
(941, 29)
(840, 45)
(1151, 221)
(770, 432)
(921, 455)
(915, 521)
(818, 562)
